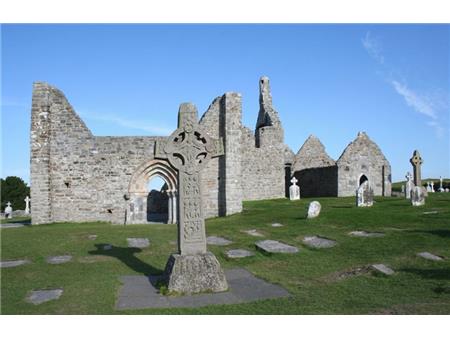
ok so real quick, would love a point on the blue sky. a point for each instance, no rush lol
(391, 81)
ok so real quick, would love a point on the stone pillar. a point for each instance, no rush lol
(232, 158)
(169, 207)
(40, 154)
(27, 205)
(174, 207)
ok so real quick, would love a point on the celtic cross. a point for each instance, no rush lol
(416, 162)
(188, 149)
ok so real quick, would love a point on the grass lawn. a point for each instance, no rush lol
(90, 280)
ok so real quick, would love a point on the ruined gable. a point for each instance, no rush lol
(363, 157)
(312, 154)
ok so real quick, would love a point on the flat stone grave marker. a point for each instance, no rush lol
(214, 240)
(430, 212)
(277, 225)
(13, 263)
(58, 259)
(253, 232)
(365, 234)
(12, 225)
(239, 253)
(138, 243)
(92, 237)
(138, 292)
(430, 256)
(41, 296)
(272, 246)
(319, 242)
(382, 268)
(107, 247)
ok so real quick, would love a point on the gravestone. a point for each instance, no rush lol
(8, 210)
(239, 253)
(403, 188)
(364, 195)
(429, 187)
(318, 242)
(382, 269)
(429, 256)
(363, 233)
(41, 296)
(58, 259)
(314, 209)
(27, 205)
(188, 149)
(220, 241)
(139, 243)
(294, 190)
(432, 187)
(409, 185)
(253, 232)
(271, 246)
(417, 197)
(441, 188)
(13, 263)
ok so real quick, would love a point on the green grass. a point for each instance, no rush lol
(90, 280)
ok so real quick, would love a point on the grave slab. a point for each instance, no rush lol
(253, 232)
(239, 253)
(429, 256)
(138, 243)
(13, 263)
(277, 225)
(382, 268)
(213, 240)
(365, 234)
(58, 259)
(319, 242)
(41, 296)
(12, 225)
(272, 246)
(92, 237)
(138, 292)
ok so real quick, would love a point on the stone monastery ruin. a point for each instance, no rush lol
(77, 177)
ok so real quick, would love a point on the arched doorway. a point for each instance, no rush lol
(157, 200)
(363, 178)
(146, 202)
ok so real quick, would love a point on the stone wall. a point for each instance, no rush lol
(363, 157)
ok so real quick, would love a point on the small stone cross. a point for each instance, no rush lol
(294, 180)
(416, 162)
(8, 204)
(189, 149)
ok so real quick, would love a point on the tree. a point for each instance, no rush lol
(14, 190)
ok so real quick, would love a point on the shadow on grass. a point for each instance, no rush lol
(24, 222)
(438, 232)
(126, 256)
(439, 274)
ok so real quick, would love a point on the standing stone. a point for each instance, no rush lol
(432, 187)
(294, 190)
(417, 197)
(314, 209)
(27, 205)
(189, 149)
(364, 195)
(409, 185)
(8, 210)
(416, 162)
(441, 188)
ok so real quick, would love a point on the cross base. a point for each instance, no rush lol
(189, 274)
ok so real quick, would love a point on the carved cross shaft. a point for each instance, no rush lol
(416, 162)
(189, 149)
(294, 180)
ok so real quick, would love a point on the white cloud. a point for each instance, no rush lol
(419, 103)
(146, 126)
(373, 47)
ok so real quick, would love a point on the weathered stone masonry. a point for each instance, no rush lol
(76, 176)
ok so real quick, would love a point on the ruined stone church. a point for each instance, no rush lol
(78, 177)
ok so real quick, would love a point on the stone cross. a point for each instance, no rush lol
(294, 190)
(27, 205)
(416, 162)
(189, 149)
